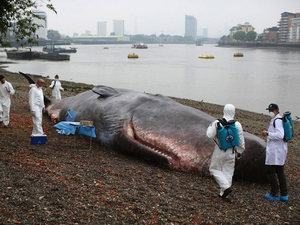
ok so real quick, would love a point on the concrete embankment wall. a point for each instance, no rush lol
(258, 44)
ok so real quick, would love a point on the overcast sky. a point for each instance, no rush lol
(166, 16)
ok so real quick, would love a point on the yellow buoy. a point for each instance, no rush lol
(105, 47)
(238, 54)
(133, 56)
(206, 57)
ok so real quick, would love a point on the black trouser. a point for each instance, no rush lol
(272, 171)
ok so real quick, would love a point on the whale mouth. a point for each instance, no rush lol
(150, 145)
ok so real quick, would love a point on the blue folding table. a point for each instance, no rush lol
(76, 128)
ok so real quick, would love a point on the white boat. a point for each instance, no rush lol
(139, 46)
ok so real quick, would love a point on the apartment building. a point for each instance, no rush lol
(118, 27)
(101, 28)
(246, 27)
(271, 34)
(191, 27)
(285, 24)
(42, 30)
(294, 30)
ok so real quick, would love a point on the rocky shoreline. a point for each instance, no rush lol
(57, 184)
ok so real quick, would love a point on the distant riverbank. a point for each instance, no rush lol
(259, 45)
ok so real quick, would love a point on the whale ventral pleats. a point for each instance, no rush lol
(104, 91)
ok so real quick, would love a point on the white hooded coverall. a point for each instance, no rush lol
(56, 88)
(223, 162)
(36, 102)
(5, 101)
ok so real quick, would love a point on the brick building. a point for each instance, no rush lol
(271, 34)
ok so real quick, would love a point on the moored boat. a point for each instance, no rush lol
(21, 54)
(139, 46)
(28, 54)
(198, 42)
(52, 48)
(53, 56)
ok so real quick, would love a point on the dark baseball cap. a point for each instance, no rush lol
(273, 106)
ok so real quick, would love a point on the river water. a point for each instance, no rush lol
(251, 82)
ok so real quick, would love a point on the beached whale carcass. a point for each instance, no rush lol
(155, 127)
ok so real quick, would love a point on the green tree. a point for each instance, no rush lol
(139, 37)
(224, 38)
(188, 39)
(16, 20)
(152, 37)
(179, 38)
(239, 36)
(251, 36)
(54, 35)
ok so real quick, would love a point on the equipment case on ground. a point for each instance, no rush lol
(38, 139)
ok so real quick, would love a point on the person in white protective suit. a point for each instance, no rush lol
(223, 162)
(37, 106)
(56, 88)
(6, 90)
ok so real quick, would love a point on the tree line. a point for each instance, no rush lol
(240, 36)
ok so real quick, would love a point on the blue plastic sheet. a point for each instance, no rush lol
(70, 128)
(70, 115)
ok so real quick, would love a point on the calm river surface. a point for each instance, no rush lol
(251, 82)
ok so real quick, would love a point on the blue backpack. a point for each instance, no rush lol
(228, 134)
(287, 126)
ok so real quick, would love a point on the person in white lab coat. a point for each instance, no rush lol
(276, 152)
(37, 106)
(223, 162)
(6, 90)
(56, 88)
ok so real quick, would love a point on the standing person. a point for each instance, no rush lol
(6, 90)
(276, 153)
(56, 88)
(37, 106)
(223, 160)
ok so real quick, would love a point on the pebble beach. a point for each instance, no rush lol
(58, 184)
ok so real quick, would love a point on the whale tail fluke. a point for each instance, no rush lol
(47, 101)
